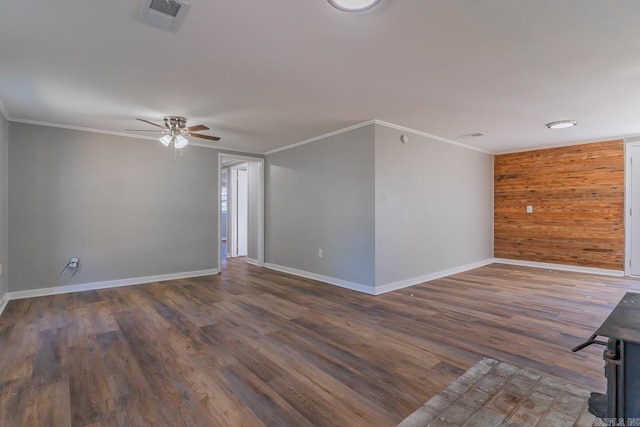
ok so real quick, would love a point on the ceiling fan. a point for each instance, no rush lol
(175, 130)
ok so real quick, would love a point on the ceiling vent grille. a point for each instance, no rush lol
(170, 8)
(165, 14)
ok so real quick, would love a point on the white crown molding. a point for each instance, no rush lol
(326, 279)
(31, 293)
(128, 135)
(80, 128)
(430, 136)
(382, 289)
(382, 123)
(560, 267)
(326, 135)
(224, 148)
(570, 144)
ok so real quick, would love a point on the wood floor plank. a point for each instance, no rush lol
(48, 406)
(255, 347)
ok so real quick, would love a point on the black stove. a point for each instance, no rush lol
(622, 364)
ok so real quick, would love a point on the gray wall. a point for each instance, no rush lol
(434, 206)
(321, 196)
(124, 206)
(4, 144)
(382, 211)
(253, 172)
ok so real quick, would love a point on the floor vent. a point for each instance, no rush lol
(165, 14)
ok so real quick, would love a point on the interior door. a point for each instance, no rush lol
(242, 212)
(635, 210)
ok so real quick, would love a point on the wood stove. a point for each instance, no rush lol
(621, 404)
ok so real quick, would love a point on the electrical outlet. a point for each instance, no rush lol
(529, 209)
(319, 253)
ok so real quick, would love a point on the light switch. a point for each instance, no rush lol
(529, 209)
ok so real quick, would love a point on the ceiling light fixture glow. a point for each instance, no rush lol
(166, 140)
(180, 141)
(353, 5)
(562, 124)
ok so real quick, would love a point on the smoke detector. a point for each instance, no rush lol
(165, 14)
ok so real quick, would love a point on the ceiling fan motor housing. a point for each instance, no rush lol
(176, 125)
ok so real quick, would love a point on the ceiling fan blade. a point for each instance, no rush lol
(143, 130)
(212, 138)
(151, 123)
(196, 128)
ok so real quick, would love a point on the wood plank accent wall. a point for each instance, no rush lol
(577, 194)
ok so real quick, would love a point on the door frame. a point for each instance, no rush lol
(632, 142)
(232, 208)
(260, 231)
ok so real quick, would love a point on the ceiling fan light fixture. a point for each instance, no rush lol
(561, 124)
(166, 140)
(354, 5)
(180, 141)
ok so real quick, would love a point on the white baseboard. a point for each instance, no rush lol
(253, 262)
(562, 267)
(382, 289)
(3, 303)
(326, 279)
(31, 293)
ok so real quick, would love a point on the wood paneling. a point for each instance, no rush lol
(577, 194)
(253, 347)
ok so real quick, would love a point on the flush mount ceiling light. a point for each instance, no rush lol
(562, 124)
(353, 5)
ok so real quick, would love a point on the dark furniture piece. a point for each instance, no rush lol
(622, 362)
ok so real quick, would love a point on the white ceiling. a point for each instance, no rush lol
(267, 74)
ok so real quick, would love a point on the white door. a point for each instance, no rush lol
(242, 212)
(635, 210)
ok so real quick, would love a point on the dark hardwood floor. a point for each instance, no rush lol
(253, 347)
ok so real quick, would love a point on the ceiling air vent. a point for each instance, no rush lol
(165, 14)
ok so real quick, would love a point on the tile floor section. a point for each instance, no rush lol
(493, 394)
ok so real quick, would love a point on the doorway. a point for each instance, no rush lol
(241, 208)
(632, 265)
(238, 211)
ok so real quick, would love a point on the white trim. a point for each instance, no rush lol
(561, 267)
(31, 293)
(83, 129)
(431, 136)
(253, 261)
(326, 279)
(3, 303)
(627, 203)
(192, 142)
(261, 162)
(4, 113)
(382, 289)
(326, 135)
(382, 123)
(565, 144)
